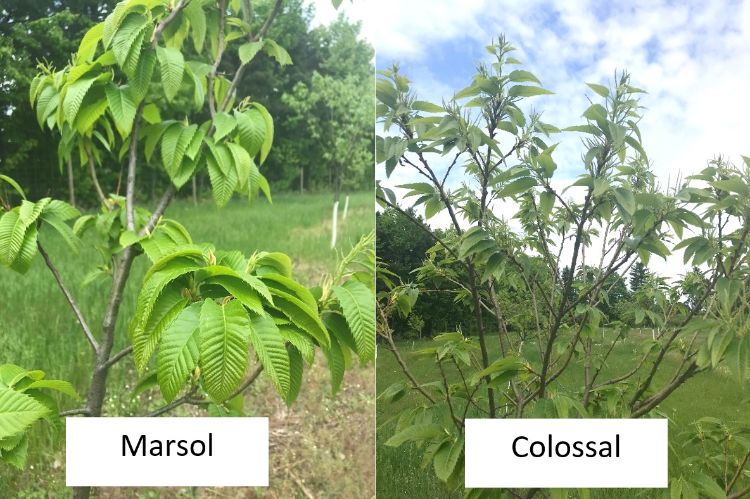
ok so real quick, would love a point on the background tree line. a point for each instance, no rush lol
(632, 299)
(322, 103)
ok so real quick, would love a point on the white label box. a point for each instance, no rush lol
(169, 451)
(526, 453)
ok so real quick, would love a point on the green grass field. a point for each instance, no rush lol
(38, 331)
(400, 475)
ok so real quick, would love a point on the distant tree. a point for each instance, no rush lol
(638, 275)
(400, 243)
(614, 293)
(42, 30)
(334, 113)
(694, 286)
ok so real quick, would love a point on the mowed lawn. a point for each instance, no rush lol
(322, 445)
(400, 475)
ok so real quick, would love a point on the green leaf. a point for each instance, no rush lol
(274, 263)
(336, 363)
(174, 144)
(709, 486)
(178, 353)
(265, 148)
(16, 455)
(243, 165)
(18, 411)
(140, 79)
(252, 130)
(427, 107)
(732, 184)
(57, 223)
(17, 241)
(148, 332)
(271, 350)
(520, 75)
(501, 366)
(224, 333)
(89, 42)
(249, 50)
(199, 86)
(527, 91)
(222, 184)
(112, 22)
(358, 304)
(416, 433)
(74, 97)
(447, 456)
(224, 124)
(601, 185)
(172, 66)
(13, 184)
(625, 199)
(197, 18)
(122, 107)
(518, 186)
(61, 209)
(241, 287)
(599, 89)
(276, 51)
(301, 315)
(296, 366)
(156, 310)
(287, 285)
(90, 113)
(53, 384)
(151, 114)
(127, 41)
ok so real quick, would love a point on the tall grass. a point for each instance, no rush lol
(399, 472)
(38, 330)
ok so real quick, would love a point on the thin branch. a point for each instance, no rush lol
(249, 381)
(189, 398)
(741, 493)
(656, 399)
(737, 473)
(264, 29)
(95, 180)
(217, 61)
(394, 349)
(118, 356)
(132, 163)
(458, 422)
(83, 411)
(159, 210)
(163, 24)
(69, 297)
(261, 33)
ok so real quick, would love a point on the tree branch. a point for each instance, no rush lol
(159, 210)
(261, 33)
(188, 398)
(274, 12)
(95, 180)
(163, 24)
(132, 163)
(118, 356)
(217, 61)
(75, 412)
(69, 297)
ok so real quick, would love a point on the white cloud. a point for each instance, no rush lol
(692, 57)
(355, 11)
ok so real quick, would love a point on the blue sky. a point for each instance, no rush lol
(693, 58)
